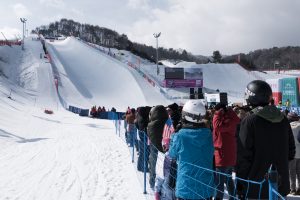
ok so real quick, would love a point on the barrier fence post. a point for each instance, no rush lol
(126, 133)
(273, 179)
(132, 135)
(119, 127)
(116, 124)
(145, 192)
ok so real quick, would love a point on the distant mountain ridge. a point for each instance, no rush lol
(262, 59)
(283, 58)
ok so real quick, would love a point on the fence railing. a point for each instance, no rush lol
(153, 165)
(273, 187)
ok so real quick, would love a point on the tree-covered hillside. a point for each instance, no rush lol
(262, 59)
(109, 38)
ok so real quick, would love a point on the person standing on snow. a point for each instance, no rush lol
(294, 165)
(142, 120)
(192, 147)
(165, 186)
(131, 129)
(266, 139)
(225, 123)
(125, 123)
(157, 118)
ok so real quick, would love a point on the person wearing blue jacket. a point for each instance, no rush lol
(193, 149)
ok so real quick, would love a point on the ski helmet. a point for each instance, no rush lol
(194, 111)
(258, 93)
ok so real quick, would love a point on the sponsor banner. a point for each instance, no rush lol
(289, 90)
(175, 83)
(183, 77)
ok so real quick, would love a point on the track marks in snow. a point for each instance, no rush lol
(60, 156)
(72, 164)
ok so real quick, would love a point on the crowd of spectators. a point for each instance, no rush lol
(95, 112)
(197, 140)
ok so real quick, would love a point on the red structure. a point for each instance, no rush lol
(9, 43)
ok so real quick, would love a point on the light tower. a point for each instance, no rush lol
(23, 20)
(156, 35)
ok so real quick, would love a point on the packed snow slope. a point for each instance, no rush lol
(89, 77)
(26, 69)
(60, 156)
(229, 78)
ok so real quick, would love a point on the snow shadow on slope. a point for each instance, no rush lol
(32, 140)
(72, 76)
(6, 134)
(46, 119)
(97, 126)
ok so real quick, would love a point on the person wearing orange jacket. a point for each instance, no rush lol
(131, 129)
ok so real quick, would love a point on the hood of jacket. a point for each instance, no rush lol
(158, 113)
(270, 113)
(142, 117)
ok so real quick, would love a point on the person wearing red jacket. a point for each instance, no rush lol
(225, 122)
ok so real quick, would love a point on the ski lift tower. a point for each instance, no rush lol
(156, 35)
(23, 20)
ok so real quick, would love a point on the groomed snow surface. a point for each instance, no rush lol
(64, 156)
(89, 77)
(58, 156)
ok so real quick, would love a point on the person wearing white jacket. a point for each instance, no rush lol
(294, 165)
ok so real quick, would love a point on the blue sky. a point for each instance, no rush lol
(199, 26)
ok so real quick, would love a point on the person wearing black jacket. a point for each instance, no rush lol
(157, 119)
(266, 139)
(142, 119)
